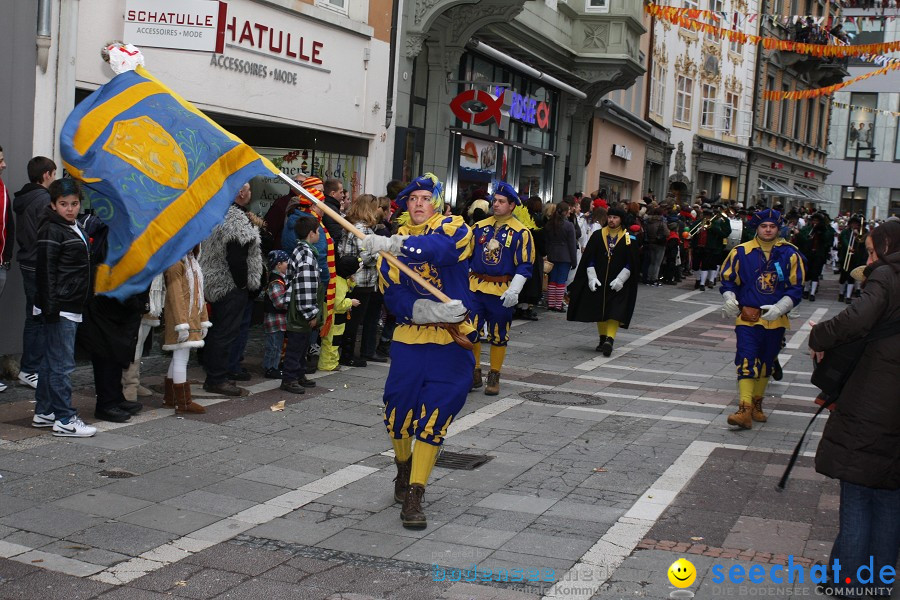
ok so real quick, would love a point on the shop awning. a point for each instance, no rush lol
(776, 188)
(813, 195)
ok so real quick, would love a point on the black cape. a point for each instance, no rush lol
(590, 307)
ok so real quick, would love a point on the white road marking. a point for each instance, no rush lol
(592, 364)
(801, 334)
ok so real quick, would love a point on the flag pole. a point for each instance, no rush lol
(393, 260)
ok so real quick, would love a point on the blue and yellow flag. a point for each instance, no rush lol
(157, 171)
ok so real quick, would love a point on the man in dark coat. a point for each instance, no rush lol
(604, 290)
(815, 241)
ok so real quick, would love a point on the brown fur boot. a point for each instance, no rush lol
(493, 384)
(476, 379)
(411, 514)
(401, 481)
(169, 395)
(183, 402)
(757, 413)
(742, 417)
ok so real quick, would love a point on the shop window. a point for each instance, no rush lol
(894, 208)
(684, 95)
(855, 201)
(335, 5)
(897, 141)
(658, 88)
(708, 116)
(596, 6)
(861, 123)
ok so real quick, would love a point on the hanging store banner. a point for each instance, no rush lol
(179, 24)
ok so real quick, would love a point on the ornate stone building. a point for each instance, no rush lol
(551, 61)
(701, 89)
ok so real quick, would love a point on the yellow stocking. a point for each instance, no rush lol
(498, 353)
(612, 326)
(402, 449)
(759, 388)
(601, 327)
(424, 456)
(746, 387)
(476, 350)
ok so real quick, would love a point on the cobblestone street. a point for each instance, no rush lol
(602, 473)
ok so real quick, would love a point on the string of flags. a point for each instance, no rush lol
(688, 18)
(817, 92)
(878, 111)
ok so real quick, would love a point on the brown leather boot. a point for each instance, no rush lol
(493, 384)
(169, 395)
(476, 379)
(757, 413)
(411, 514)
(742, 417)
(183, 402)
(401, 481)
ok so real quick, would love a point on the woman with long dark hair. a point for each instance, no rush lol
(559, 237)
(861, 441)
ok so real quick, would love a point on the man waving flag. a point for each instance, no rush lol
(157, 171)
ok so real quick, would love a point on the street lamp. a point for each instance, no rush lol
(852, 189)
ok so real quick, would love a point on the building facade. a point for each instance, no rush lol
(701, 91)
(790, 137)
(864, 128)
(546, 62)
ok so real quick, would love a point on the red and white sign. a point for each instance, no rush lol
(180, 24)
(777, 165)
(809, 174)
(275, 39)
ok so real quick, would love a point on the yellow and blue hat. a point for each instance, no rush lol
(504, 189)
(428, 181)
(766, 215)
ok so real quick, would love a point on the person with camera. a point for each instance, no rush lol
(762, 281)
(861, 441)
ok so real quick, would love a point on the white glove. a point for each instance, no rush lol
(183, 333)
(780, 308)
(511, 296)
(375, 243)
(731, 308)
(593, 282)
(204, 328)
(619, 282)
(429, 311)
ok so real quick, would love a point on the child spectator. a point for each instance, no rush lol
(347, 266)
(670, 258)
(63, 286)
(303, 297)
(275, 309)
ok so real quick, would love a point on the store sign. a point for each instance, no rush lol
(777, 165)
(621, 151)
(279, 41)
(809, 174)
(253, 69)
(181, 24)
(477, 107)
(723, 151)
(526, 109)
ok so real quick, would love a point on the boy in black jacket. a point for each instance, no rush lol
(63, 286)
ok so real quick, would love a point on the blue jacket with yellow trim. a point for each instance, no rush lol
(500, 248)
(439, 251)
(759, 281)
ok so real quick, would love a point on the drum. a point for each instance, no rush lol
(734, 238)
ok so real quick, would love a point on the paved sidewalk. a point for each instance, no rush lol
(602, 472)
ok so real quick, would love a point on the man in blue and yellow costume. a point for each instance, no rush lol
(429, 376)
(501, 264)
(762, 281)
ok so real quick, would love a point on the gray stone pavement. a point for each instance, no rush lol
(603, 472)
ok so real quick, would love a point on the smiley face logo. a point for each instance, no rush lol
(682, 573)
